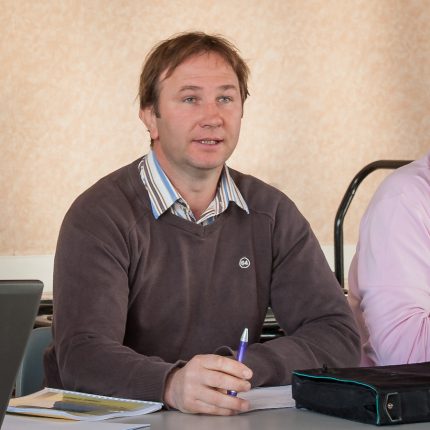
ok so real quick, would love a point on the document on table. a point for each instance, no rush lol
(16, 422)
(72, 405)
(269, 397)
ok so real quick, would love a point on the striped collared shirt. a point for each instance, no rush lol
(163, 195)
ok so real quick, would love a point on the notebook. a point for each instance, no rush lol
(19, 302)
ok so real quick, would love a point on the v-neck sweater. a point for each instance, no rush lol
(135, 296)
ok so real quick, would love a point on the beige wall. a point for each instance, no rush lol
(335, 84)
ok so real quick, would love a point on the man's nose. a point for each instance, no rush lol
(211, 116)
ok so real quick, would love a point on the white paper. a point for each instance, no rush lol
(16, 422)
(269, 397)
(72, 405)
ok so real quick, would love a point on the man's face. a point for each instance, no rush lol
(200, 111)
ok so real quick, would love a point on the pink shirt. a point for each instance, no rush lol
(389, 278)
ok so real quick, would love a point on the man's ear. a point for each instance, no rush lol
(148, 117)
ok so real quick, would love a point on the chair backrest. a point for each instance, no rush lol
(344, 205)
(30, 373)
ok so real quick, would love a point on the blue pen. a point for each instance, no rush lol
(240, 354)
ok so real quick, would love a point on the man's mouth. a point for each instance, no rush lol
(209, 141)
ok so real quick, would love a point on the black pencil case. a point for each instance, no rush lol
(380, 395)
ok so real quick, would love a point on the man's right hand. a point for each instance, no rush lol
(201, 386)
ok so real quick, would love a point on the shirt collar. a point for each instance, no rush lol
(163, 195)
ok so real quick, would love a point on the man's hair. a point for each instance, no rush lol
(170, 53)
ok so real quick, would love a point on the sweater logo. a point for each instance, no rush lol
(244, 263)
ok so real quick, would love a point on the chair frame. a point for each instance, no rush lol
(344, 205)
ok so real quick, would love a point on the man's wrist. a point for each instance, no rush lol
(168, 397)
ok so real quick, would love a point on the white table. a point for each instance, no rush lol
(274, 419)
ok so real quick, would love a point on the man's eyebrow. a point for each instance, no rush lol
(197, 88)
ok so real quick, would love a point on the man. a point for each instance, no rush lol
(389, 279)
(162, 264)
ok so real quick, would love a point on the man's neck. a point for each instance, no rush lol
(197, 187)
(197, 192)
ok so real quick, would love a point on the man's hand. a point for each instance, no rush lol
(201, 386)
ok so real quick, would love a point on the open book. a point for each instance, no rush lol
(72, 405)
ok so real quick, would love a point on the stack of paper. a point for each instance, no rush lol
(72, 405)
(269, 397)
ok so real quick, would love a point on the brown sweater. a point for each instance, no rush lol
(135, 297)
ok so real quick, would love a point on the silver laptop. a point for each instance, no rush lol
(19, 302)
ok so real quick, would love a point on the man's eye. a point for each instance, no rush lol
(189, 100)
(225, 99)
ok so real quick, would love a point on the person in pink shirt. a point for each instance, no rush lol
(389, 278)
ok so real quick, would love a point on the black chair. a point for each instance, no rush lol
(344, 205)
(31, 374)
